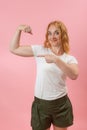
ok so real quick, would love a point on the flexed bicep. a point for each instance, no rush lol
(25, 51)
(15, 46)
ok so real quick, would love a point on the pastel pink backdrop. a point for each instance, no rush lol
(17, 74)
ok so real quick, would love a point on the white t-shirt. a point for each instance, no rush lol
(50, 79)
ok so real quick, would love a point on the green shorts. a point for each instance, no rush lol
(57, 112)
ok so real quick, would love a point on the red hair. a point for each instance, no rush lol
(64, 36)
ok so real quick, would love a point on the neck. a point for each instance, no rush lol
(57, 50)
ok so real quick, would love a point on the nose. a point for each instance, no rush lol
(53, 35)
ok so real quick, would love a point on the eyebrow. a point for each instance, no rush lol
(54, 31)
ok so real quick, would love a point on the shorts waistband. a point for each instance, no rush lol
(59, 100)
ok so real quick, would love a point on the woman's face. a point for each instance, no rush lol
(54, 36)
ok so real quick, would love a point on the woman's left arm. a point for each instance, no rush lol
(71, 70)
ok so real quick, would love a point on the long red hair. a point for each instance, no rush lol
(64, 36)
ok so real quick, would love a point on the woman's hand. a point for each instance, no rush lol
(71, 70)
(49, 58)
(25, 28)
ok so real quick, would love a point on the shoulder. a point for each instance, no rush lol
(37, 46)
(69, 55)
(70, 58)
(38, 49)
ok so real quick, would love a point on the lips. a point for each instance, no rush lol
(54, 39)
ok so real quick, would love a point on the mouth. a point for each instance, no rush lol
(54, 39)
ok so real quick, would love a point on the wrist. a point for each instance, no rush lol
(18, 29)
(55, 60)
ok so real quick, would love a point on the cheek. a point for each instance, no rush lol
(59, 37)
(49, 38)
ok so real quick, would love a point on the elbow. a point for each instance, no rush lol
(12, 51)
(74, 76)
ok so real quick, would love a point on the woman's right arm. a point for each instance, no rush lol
(15, 46)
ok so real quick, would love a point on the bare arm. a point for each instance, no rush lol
(71, 70)
(15, 46)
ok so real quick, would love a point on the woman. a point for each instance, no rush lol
(51, 103)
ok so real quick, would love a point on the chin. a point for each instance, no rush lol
(55, 45)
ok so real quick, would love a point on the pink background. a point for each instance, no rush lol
(17, 74)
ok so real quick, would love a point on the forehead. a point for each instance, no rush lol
(53, 28)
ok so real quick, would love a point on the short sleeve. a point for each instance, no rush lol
(36, 49)
(72, 59)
